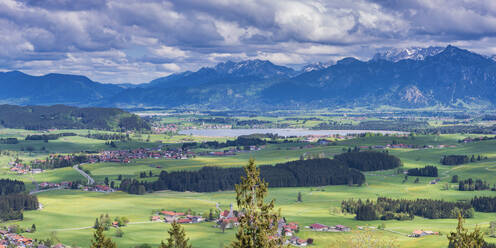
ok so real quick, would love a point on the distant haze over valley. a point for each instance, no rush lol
(404, 78)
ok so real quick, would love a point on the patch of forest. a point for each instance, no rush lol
(299, 173)
(402, 209)
(68, 117)
(460, 159)
(427, 171)
(14, 200)
(484, 204)
(240, 141)
(52, 136)
(369, 160)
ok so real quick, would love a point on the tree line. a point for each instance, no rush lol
(60, 161)
(108, 136)
(402, 209)
(243, 140)
(474, 185)
(9, 141)
(484, 204)
(313, 172)
(427, 171)
(454, 159)
(460, 159)
(52, 136)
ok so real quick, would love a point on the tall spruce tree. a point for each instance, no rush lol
(100, 241)
(257, 221)
(177, 238)
(462, 239)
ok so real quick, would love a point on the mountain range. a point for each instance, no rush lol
(415, 53)
(23, 89)
(409, 78)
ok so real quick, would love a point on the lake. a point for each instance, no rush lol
(278, 131)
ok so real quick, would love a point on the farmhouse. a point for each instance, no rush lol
(421, 233)
(184, 221)
(171, 216)
(342, 228)
(319, 227)
(323, 228)
(295, 241)
(155, 218)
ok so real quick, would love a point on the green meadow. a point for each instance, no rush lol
(68, 215)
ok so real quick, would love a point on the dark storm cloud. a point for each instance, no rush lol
(123, 40)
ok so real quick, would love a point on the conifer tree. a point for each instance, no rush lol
(177, 238)
(100, 241)
(462, 239)
(257, 221)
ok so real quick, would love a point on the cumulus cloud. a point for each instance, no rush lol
(135, 41)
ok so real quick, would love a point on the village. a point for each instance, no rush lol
(229, 219)
(74, 185)
(10, 237)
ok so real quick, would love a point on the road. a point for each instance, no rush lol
(90, 180)
(43, 190)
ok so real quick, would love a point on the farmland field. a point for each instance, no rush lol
(68, 215)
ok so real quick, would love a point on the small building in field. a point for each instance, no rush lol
(319, 227)
(342, 228)
(155, 218)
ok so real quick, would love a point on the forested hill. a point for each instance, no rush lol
(24, 89)
(66, 117)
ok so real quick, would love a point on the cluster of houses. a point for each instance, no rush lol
(230, 152)
(227, 218)
(172, 216)
(125, 156)
(421, 233)
(9, 239)
(98, 188)
(169, 128)
(324, 228)
(119, 156)
(20, 168)
(323, 139)
(212, 126)
(289, 230)
(69, 185)
(475, 139)
(47, 185)
(406, 146)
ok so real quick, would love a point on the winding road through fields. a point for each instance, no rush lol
(84, 174)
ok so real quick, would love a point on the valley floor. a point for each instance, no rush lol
(68, 215)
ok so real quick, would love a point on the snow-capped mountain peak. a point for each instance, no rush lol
(415, 53)
(316, 66)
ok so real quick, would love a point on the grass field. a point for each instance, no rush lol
(67, 214)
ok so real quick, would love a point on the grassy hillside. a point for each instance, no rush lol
(69, 214)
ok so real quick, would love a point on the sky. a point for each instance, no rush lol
(130, 41)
